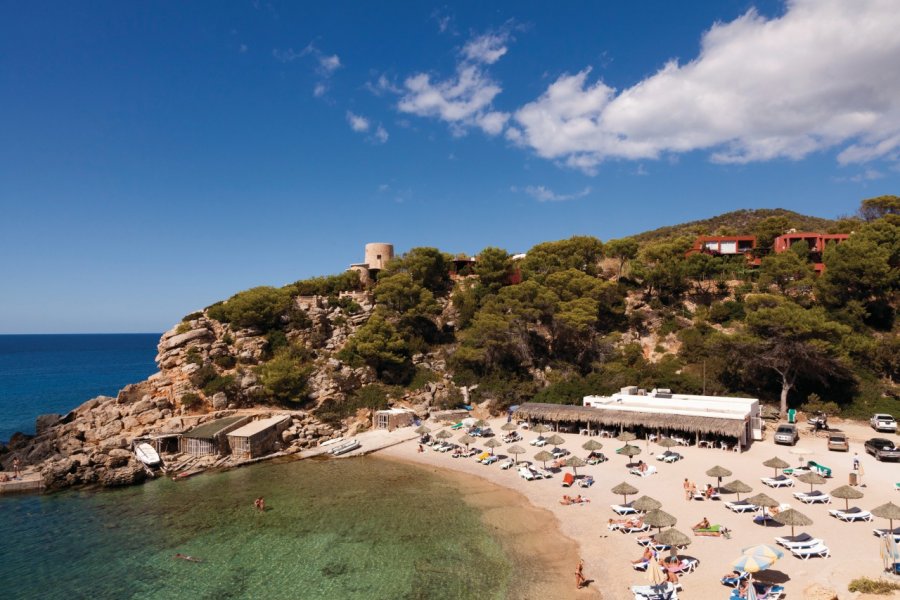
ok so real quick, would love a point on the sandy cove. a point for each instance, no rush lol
(607, 555)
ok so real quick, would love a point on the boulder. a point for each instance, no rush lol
(110, 430)
(45, 422)
(142, 406)
(219, 401)
(127, 475)
(179, 340)
(149, 417)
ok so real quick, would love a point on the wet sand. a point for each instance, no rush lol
(543, 558)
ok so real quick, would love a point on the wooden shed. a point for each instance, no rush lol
(257, 438)
(393, 418)
(210, 438)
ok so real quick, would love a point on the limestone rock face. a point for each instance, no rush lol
(179, 340)
(219, 401)
(45, 422)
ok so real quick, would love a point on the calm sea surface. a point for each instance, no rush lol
(55, 373)
(356, 528)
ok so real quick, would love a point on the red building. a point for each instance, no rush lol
(815, 241)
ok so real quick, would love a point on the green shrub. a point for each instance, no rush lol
(421, 378)
(221, 383)
(203, 375)
(333, 285)
(259, 307)
(284, 377)
(193, 356)
(374, 397)
(226, 361)
(865, 585)
(723, 312)
(228, 339)
(191, 401)
(193, 316)
(183, 327)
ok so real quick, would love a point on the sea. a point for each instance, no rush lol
(357, 528)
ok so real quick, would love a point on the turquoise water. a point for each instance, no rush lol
(55, 373)
(354, 528)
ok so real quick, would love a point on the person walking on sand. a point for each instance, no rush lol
(579, 575)
(855, 461)
(687, 489)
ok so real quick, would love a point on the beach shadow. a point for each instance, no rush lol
(587, 583)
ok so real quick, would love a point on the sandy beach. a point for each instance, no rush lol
(607, 555)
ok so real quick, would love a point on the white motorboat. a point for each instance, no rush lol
(147, 455)
(345, 448)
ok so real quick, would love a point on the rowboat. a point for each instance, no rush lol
(345, 448)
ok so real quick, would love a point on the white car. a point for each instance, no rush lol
(883, 422)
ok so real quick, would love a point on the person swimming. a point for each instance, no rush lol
(188, 558)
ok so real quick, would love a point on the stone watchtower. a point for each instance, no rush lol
(377, 256)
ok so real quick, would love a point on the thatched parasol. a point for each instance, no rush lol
(626, 436)
(466, 439)
(793, 518)
(480, 423)
(646, 504)
(543, 456)
(422, 430)
(738, 487)
(492, 443)
(666, 442)
(540, 428)
(776, 463)
(509, 426)
(847, 493)
(719, 473)
(443, 434)
(555, 440)
(575, 462)
(763, 501)
(592, 445)
(659, 518)
(812, 478)
(889, 511)
(629, 451)
(625, 489)
(673, 538)
(516, 451)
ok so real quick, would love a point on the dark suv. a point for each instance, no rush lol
(882, 449)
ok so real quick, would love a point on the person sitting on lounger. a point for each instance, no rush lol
(709, 491)
(744, 588)
(642, 466)
(647, 556)
(704, 524)
(672, 577)
(630, 522)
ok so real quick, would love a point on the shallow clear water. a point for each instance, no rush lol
(55, 373)
(353, 528)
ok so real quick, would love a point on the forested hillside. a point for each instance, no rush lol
(583, 316)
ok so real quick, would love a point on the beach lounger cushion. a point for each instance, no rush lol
(641, 529)
(803, 544)
(816, 497)
(854, 514)
(806, 553)
(650, 470)
(623, 509)
(741, 506)
(803, 537)
(778, 482)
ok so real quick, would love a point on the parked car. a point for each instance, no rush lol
(882, 449)
(818, 418)
(787, 434)
(883, 422)
(838, 441)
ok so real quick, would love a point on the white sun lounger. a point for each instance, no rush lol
(526, 474)
(650, 592)
(811, 543)
(806, 553)
(788, 539)
(651, 470)
(623, 509)
(778, 482)
(854, 514)
(741, 506)
(641, 529)
(668, 456)
(815, 497)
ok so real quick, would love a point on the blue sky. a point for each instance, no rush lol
(155, 158)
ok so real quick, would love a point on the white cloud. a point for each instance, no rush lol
(868, 174)
(357, 123)
(464, 100)
(381, 135)
(544, 194)
(487, 48)
(823, 75)
(326, 64)
(329, 64)
(382, 86)
(320, 89)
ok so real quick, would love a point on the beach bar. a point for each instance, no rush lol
(258, 437)
(210, 438)
(657, 412)
(393, 418)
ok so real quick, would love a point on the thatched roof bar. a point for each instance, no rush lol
(622, 418)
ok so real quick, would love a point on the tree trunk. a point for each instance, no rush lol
(786, 384)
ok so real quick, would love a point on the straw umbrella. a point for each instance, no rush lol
(626, 436)
(763, 501)
(889, 511)
(659, 518)
(776, 463)
(591, 446)
(422, 430)
(812, 478)
(509, 426)
(625, 489)
(555, 440)
(629, 450)
(543, 456)
(793, 518)
(492, 443)
(516, 451)
(646, 504)
(666, 442)
(466, 439)
(719, 473)
(848, 493)
(443, 434)
(673, 538)
(540, 428)
(738, 487)
(575, 462)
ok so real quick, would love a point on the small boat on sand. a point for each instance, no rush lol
(147, 455)
(344, 448)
